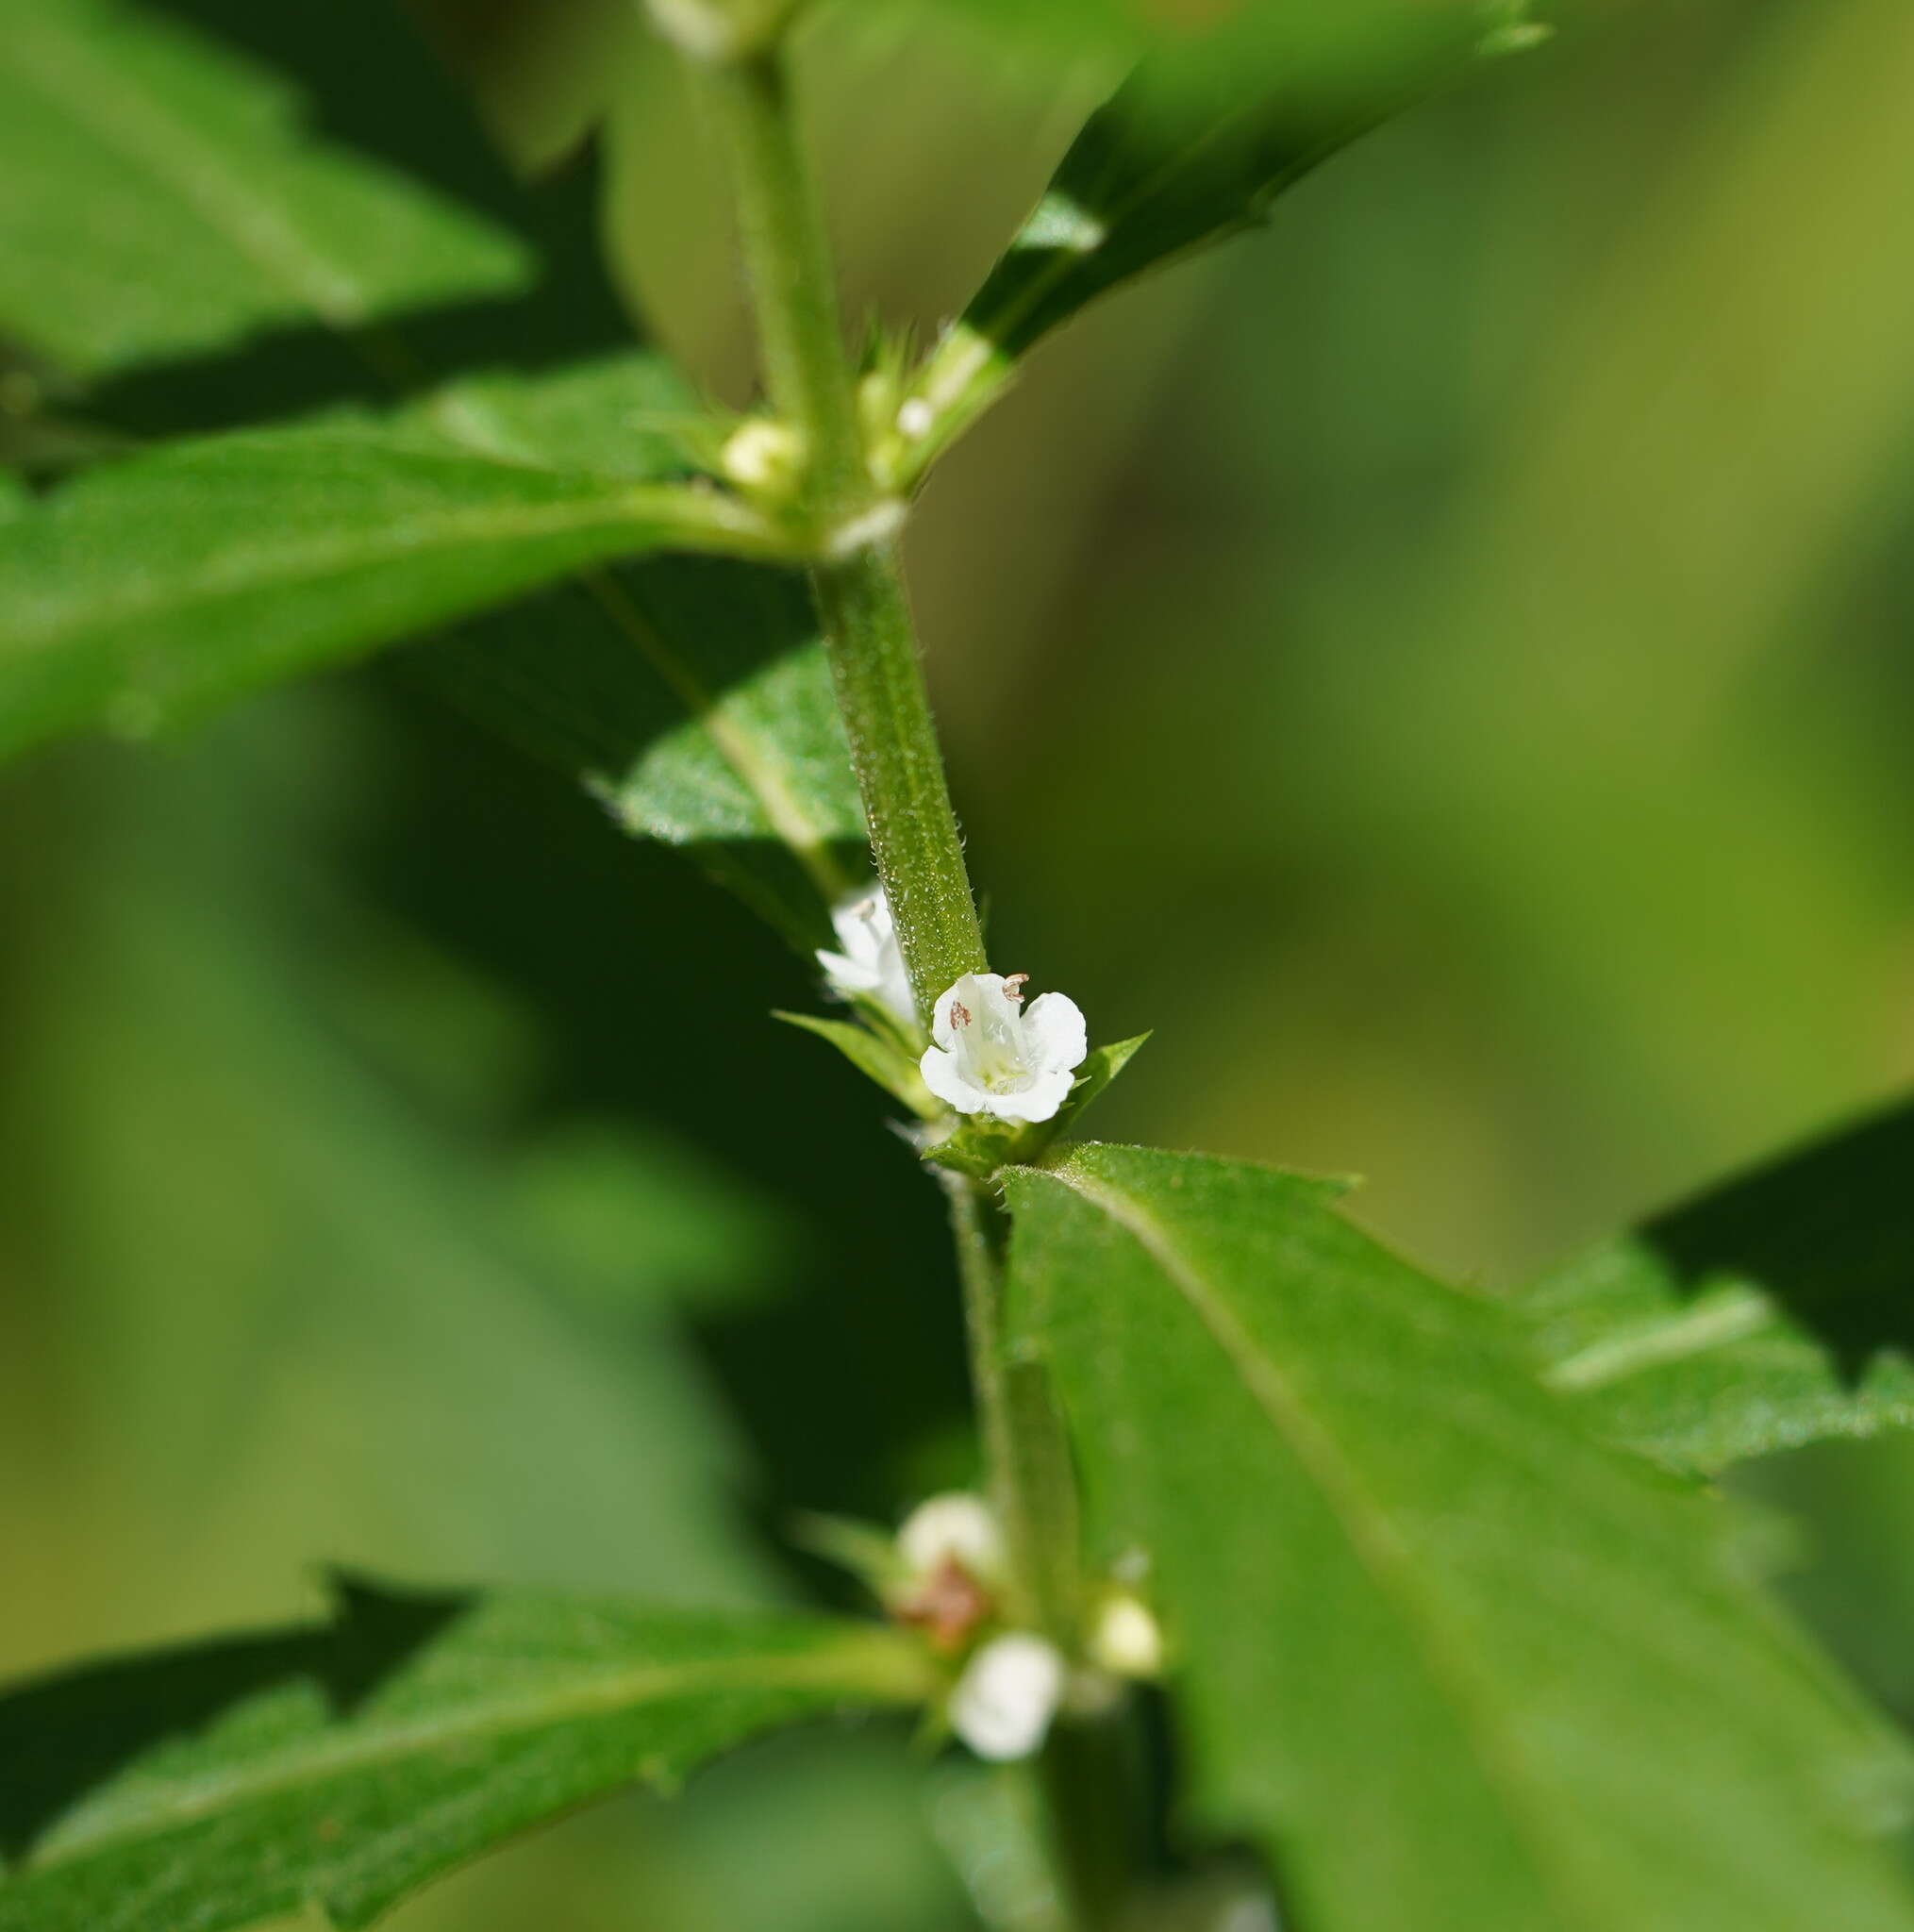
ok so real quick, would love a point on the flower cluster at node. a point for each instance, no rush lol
(992, 1055)
(872, 963)
(1008, 1694)
(947, 1579)
(951, 1564)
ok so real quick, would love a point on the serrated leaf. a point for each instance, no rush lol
(1772, 1312)
(158, 197)
(1445, 1658)
(219, 1786)
(1154, 175)
(698, 708)
(154, 588)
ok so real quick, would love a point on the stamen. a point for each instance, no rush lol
(1014, 984)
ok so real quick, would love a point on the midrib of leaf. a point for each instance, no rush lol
(201, 177)
(1387, 1561)
(753, 756)
(1733, 1317)
(889, 1673)
(314, 562)
(204, 180)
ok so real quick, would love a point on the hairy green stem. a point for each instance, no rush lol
(880, 680)
(857, 576)
(794, 293)
(1089, 1777)
(858, 582)
(977, 1224)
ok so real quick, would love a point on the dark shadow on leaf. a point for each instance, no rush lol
(575, 678)
(369, 79)
(63, 1736)
(1827, 1233)
(1189, 152)
(298, 372)
(369, 83)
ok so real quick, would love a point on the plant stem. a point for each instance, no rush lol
(793, 293)
(856, 577)
(977, 1227)
(858, 582)
(1087, 1777)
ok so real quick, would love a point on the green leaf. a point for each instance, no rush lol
(697, 706)
(157, 198)
(1154, 175)
(875, 1058)
(154, 588)
(221, 1786)
(1103, 1066)
(1448, 1661)
(691, 697)
(1774, 1311)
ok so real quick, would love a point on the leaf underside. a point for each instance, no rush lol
(195, 243)
(158, 197)
(1159, 172)
(1449, 1661)
(153, 589)
(1776, 1310)
(219, 1786)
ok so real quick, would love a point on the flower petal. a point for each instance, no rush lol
(846, 974)
(955, 1527)
(1008, 1692)
(1055, 1035)
(1038, 1101)
(978, 994)
(946, 1078)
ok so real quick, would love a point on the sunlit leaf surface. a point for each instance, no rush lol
(158, 196)
(236, 1782)
(1448, 1661)
(1772, 1312)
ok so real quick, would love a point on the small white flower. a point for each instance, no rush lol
(1125, 1638)
(1008, 1692)
(957, 1528)
(994, 1057)
(762, 454)
(872, 963)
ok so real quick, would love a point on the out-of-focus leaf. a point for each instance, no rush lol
(154, 588)
(221, 1786)
(1776, 1310)
(1154, 175)
(641, 1224)
(1448, 1661)
(321, 1308)
(625, 414)
(1210, 38)
(691, 697)
(111, 610)
(157, 198)
(877, 1059)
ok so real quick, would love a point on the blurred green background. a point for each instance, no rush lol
(1442, 662)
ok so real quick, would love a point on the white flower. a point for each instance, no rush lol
(1008, 1692)
(992, 1056)
(762, 454)
(872, 963)
(1125, 1638)
(957, 1528)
